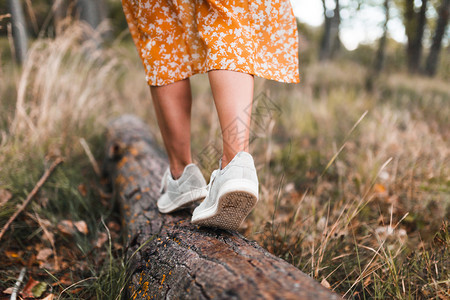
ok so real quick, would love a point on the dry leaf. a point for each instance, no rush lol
(48, 236)
(27, 290)
(82, 189)
(380, 190)
(5, 195)
(114, 226)
(117, 246)
(8, 291)
(13, 254)
(49, 297)
(39, 289)
(367, 281)
(325, 283)
(66, 226)
(43, 254)
(81, 226)
(102, 238)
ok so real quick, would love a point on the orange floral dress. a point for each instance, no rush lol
(179, 38)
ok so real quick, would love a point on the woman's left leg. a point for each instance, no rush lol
(172, 104)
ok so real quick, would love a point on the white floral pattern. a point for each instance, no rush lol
(179, 38)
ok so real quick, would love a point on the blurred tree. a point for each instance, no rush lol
(60, 11)
(330, 42)
(381, 52)
(93, 12)
(441, 25)
(415, 22)
(19, 30)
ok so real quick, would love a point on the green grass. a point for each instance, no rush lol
(354, 185)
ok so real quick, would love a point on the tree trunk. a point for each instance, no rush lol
(94, 12)
(381, 52)
(415, 23)
(442, 21)
(19, 31)
(176, 260)
(330, 42)
(89, 12)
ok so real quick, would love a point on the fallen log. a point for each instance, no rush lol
(173, 259)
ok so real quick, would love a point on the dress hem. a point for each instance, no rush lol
(163, 82)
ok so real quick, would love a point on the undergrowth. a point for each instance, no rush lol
(355, 187)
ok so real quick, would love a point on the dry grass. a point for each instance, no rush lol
(355, 187)
(351, 197)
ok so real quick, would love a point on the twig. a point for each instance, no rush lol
(90, 156)
(48, 235)
(17, 285)
(31, 195)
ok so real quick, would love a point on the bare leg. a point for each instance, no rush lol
(233, 96)
(172, 104)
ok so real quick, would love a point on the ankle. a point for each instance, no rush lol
(228, 157)
(177, 169)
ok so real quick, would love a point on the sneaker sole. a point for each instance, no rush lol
(184, 200)
(233, 206)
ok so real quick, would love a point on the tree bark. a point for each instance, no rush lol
(330, 42)
(415, 27)
(94, 12)
(441, 26)
(176, 260)
(89, 12)
(381, 51)
(19, 31)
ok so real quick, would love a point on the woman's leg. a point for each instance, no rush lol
(233, 96)
(172, 104)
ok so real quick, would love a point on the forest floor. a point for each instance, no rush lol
(355, 186)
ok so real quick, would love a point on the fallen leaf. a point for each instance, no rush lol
(43, 254)
(82, 189)
(114, 226)
(27, 289)
(117, 246)
(5, 195)
(66, 226)
(380, 190)
(325, 283)
(102, 238)
(82, 227)
(8, 291)
(13, 254)
(48, 236)
(43, 201)
(39, 289)
(49, 297)
(367, 281)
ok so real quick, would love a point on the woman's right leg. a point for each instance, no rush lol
(172, 104)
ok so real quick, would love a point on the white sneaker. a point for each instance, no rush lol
(177, 194)
(232, 194)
